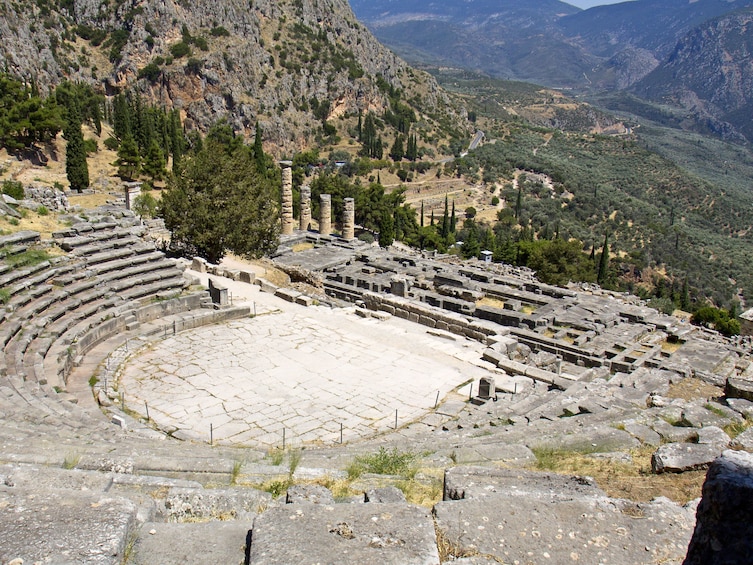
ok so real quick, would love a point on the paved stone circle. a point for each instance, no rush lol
(307, 371)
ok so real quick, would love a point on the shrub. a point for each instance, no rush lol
(219, 31)
(112, 144)
(14, 189)
(180, 49)
(384, 462)
(43, 211)
(151, 72)
(194, 66)
(90, 146)
(145, 205)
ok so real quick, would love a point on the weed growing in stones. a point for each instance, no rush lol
(384, 462)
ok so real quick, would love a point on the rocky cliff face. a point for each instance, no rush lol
(710, 73)
(244, 60)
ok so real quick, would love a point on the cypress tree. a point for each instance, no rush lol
(445, 228)
(422, 213)
(397, 152)
(453, 221)
(601, 274)
(261, 161)
(76, 168)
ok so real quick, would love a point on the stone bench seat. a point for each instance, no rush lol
(176, 283)
(70, 243)
(8, 331)
(108, 255)
(103, 246)
(18, 275)
(23, 236)
(118, 264)
(143, 268)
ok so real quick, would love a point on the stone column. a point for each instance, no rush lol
(287, 201)
(349, 219)
(305, 208)
(132, 192)
(325, 215)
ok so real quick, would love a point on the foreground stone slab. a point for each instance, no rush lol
(64, 527)
(564, 528)
(182, 504)
(679, 457)
(483, 482)
(724, 529)
(343, 534)
(191, 544)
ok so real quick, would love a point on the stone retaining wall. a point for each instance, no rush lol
(431, 317)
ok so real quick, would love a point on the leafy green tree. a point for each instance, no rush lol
(26, 119)
(129, 159)
(218, 201)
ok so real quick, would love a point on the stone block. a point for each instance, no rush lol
(724, 519)
(674, 434)
(247, 277)
(384, 495)
(219, 293)
(739, 388)
(522, 525)
(744, 441)
(287, 294)
(303, 300)
(741, 406)
(314, 494)
(343, 534)
(477, 483)
(644, 434)
(64, 526)
(186, 504)
(711, 435)
(266, 286)
(191, 544)
(680, 457)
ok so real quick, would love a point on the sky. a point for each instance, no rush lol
(591, 3)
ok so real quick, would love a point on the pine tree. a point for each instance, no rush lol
(154, 162)
(76, 168)
(129, 159)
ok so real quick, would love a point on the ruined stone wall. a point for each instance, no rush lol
(430, 317)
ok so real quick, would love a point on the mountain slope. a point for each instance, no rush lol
(710, 74)
(268, 62)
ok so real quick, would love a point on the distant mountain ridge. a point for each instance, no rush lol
(710, 74)
(606, 48)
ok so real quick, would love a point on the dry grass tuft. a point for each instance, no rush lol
(621, 480)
